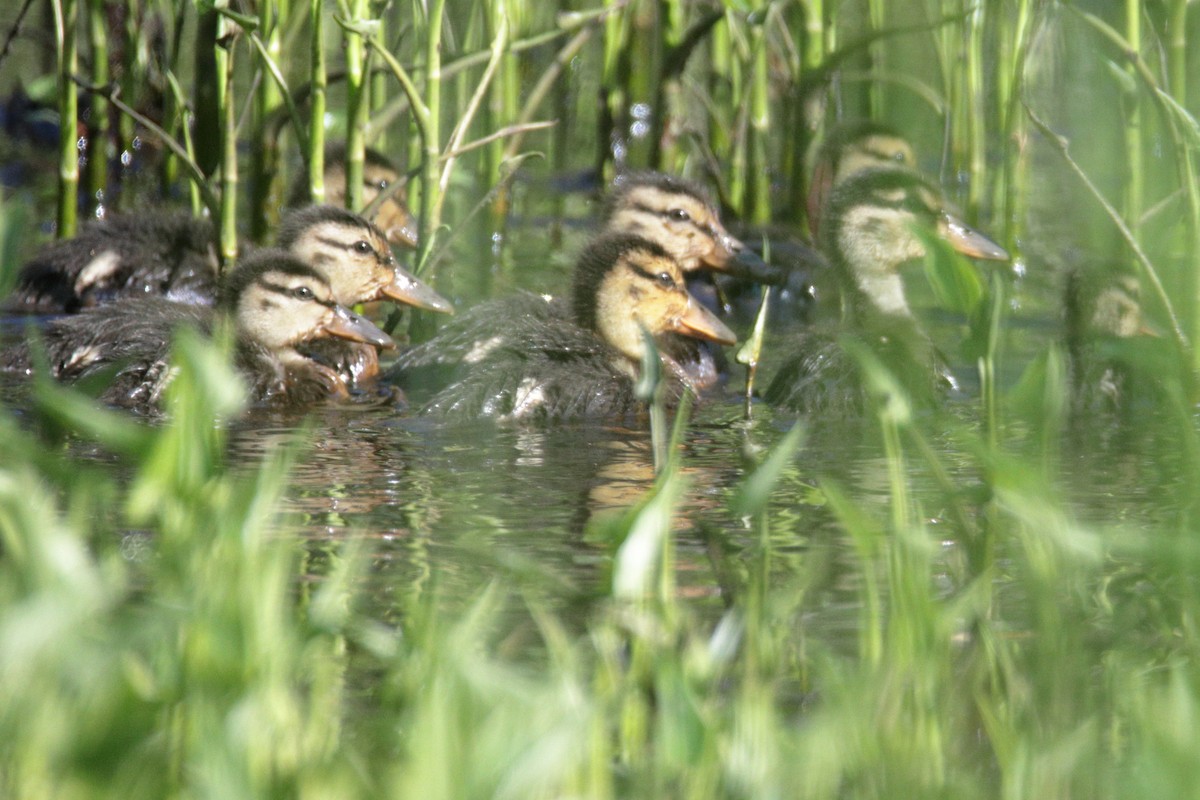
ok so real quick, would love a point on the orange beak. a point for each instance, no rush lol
(700, 323)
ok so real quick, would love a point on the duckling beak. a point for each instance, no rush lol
(735, 258)
(968, 241)
(700, 323)
(345, 324)
(406, 288)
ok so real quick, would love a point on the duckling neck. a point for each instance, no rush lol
(881, 293)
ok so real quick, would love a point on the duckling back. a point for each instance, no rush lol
(121, 257)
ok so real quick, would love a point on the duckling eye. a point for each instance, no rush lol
(898, 156)
(383, 184)
(363, 247)
(665, 280)
(303, 293)
(679, 214)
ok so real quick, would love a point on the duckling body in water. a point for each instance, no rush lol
(868, 234)
(173, 255)
(669, 211)
(277, 305)
(545, 360)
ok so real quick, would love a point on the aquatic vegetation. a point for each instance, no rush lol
(996, 600)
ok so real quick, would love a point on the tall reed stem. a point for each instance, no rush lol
(229, 166)
(430, 194)
(99, 135)
(264, 154)
(758, 130)
(316, 127)
(1177, 50)
(357, 105)
(1135, 168)
(66, 22)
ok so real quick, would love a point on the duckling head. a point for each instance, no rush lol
(379, 174)
(677, 215)
(870, 232)
(849, 149)
(352, 253)
(625, 284)
(278, 302)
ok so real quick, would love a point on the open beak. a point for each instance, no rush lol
(968, 241)
(733, 257)
(406, 288)
(700, 323)
(345, 324)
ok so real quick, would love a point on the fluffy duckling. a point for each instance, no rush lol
(677, 215)
(527, 358)
(868, 235)
(130, 255)
(393, 216)
(805, 273)
(1113, 356)
(276, 302)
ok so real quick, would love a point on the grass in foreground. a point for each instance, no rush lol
(154, 643)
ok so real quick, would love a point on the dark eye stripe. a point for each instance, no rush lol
(667, 215)
(287, 290)
(645, 273)
(382, 258)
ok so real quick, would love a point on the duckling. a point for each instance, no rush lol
(677, 215)
(393, 216)
(276, 302)
(548, 360)
(868, 235)
(1115, 360)
(130, 255)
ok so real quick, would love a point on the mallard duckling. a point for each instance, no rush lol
(1115, 360)
(546, 360)
(677, 215)
(393, 216)
(277, 305)
(130, 255)
(870, 233)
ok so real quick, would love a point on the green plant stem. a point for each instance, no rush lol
(228, 247)
(357, 103)
(758, 131)
(1134, 148)
(315, 153)
(430, 195)
(1177, 50)
(99, 134)
(66, 18)
(545, 83)
(453, 146)
(271, 95)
